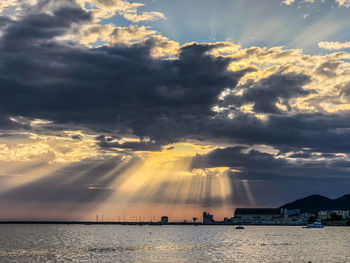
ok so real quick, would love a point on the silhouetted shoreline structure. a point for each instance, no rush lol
(208, 218)
(299, 212)
(164, 220)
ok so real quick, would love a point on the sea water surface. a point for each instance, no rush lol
(115, 243)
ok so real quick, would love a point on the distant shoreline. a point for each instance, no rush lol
(131, 223)
(34, 222)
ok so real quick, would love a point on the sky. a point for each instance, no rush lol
(132, 110)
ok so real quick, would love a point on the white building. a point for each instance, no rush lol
(327, 214)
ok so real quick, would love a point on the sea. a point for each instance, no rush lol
(116, 243)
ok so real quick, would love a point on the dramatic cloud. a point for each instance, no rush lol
(114, 35)
(333, 45)
(132, 88)
(147, 116)
(265, 94)
(304, 166)
(103, 9)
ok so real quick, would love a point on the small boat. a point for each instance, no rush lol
(240, 227)
(316, 224)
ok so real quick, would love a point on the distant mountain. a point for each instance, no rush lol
(316, 203)
(343, 202)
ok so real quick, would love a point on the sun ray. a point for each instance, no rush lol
(166, 178)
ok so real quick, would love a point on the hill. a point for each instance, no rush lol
(343, 202)
(316, 203)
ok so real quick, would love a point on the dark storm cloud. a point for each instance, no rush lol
(255, 165)
(327, 133)
(4, 21)
(44, 26)
(108, 87)
(33, 29)
(268, 91)
(123, 87)
(233, 157)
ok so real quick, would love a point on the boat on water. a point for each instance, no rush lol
(316, 224)
(240, 227)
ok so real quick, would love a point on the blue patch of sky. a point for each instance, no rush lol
(99, 43)
(89, 6)
(117, 20)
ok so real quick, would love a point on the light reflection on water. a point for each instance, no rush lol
(81, 243)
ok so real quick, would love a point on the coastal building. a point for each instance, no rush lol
(257, 215)
(323, 215)
(345, 214)
(227, 220)
(290, 213)
(164, 220)
(208, 218)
